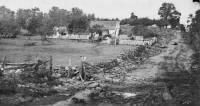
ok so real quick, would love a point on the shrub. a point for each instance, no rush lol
(141, 30)
(29, 43)
(8, 86)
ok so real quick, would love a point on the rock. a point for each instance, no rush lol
(93, 85)
(167, 96)
(91, 79)
(102, 85)
(128, 95)
(163, 46)
(174, 43)
(98, 88)
(82, 96)
(18, 71)
(25, 99)
(78, 100)
(102, 94)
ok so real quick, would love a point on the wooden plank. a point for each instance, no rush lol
(23, 63)
(13, 68)
(18, 63)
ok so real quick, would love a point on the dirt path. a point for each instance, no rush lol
(152, 68)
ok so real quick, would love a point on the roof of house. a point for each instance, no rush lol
(106, 24)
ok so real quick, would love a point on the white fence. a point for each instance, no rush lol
(72, 37)
(138, 42)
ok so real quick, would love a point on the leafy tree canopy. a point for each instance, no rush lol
(169, 14)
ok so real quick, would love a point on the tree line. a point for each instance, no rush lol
(193, 38)
(33, 21)
(194, 30)
(168, 16)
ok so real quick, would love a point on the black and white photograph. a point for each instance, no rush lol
(99, 52)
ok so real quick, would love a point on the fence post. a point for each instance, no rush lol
(69, 68)
(82, 73)
(51, 63)
(4, 62)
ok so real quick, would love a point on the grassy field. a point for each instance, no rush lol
(61, 50)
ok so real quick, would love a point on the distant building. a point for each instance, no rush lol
(60, 32)
(108, 27)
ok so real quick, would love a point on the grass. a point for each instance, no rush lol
(61, 50)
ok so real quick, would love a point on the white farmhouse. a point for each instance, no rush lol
(111, 27)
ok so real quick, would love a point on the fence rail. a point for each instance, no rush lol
(15, 66)
(138, 42)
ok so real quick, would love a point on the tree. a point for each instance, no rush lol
(35, 21)
(75, 20)
(125, 21)
(97, 29)
(29, 19)
(195, 25)
(175, 19)
(130, 20)
(141, 30)
(169, 13)
(8, 24)
(161, 23)
(189, 22)
(91, 17)
(59, 17)
(76, 11)
(194, 37)
(22, 16)
(46, 27)
(142, 21)
(133, 16)
(182, 28)
(78, 24)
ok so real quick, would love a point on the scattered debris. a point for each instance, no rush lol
(174, 43)
(163, 46)
(30, 44)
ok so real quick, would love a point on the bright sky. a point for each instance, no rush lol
(108, 8)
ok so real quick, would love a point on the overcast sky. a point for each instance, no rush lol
(108, 8)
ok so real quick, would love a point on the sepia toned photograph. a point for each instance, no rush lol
(99, 53)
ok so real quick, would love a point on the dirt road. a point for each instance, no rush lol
(175, 52)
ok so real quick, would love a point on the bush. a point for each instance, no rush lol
(135, 54)
(141, 30)
(8, 86)
(143, 21)
(29, 43)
